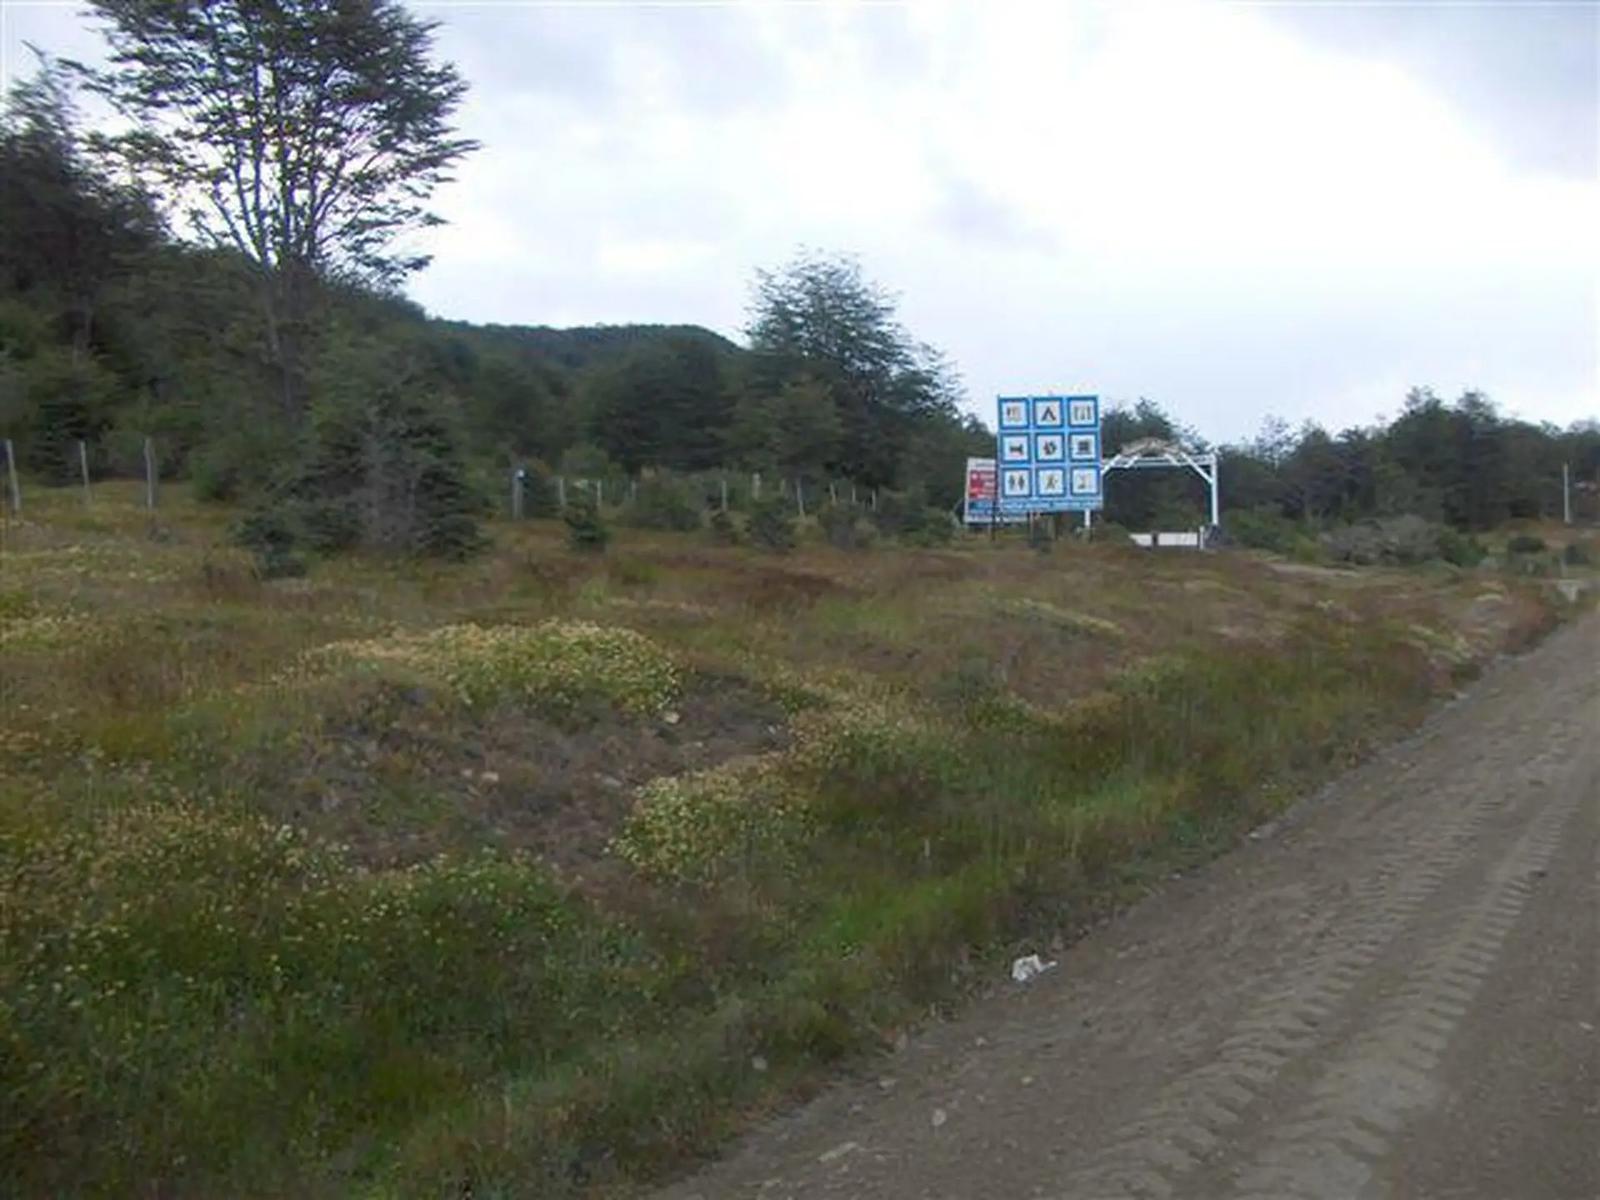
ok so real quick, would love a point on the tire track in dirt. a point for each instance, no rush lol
(1149, 1156)
(1326, 1150)
(1190, 1119)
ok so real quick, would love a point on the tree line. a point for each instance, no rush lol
(223, 272)
(1460, 463)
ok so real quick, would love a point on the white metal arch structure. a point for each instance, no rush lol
(1150, 453)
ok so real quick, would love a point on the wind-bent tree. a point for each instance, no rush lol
(306, 134)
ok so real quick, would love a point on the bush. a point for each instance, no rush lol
(931, 527)
(770, 526)
(587, 532)
(1263, 529)
(1460, 549)
(893, 513)
(723, 528)
(556, 667)
(908, 516)
(271, 537)
(1402, 540)
(665, 503)
(539, 495)
(1526, 543)
(845, 525)
(327, 525)
(696, 828)
(453, 536)
(1109, 533)
(1578, 554)
(217, 472)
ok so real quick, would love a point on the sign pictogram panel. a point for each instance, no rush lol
(1049, 454)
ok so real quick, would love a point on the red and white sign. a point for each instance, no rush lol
(982, 485)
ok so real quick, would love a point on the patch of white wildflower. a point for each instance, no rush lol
(863, 736)
(556, 665)
(700, 827)
(49, 631)
(1442, 646)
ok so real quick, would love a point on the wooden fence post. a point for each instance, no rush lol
(755, 485)
(561, 492)
(149, 474)
(83, 466)
(11, 474)
(516, 493)
(800, 497)
(724, 493)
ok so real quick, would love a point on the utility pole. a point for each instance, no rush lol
(1566, 493)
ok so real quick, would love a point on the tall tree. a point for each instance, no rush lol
(820, 318)
(68, 233)
(666, 404)
(306, 134)
(68, 229)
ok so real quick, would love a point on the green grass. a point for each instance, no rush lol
(265, 928)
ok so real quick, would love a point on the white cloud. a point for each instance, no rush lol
(1190, 201)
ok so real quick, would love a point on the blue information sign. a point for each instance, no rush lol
(1048, 454)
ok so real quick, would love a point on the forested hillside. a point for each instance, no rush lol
(113, 329)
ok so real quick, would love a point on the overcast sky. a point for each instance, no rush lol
(1236, 210)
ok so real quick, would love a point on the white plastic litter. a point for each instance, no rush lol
(1029, 967)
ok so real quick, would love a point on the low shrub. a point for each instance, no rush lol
(540, 495)
(557, 666)
(697, 828)
(1263, 529)
(908, 517)
(845, 525)
(932, 527)
(1404, 540)
(1460, 549)
(771, 526)
(724, 530)
(1578, 554)
(587, 532)
(1109, 533)
(665, 503)
(1526, 543)
(270, 536)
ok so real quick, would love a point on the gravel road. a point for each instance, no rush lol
(1392, 993)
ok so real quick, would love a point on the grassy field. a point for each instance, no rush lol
(541, 874)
